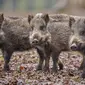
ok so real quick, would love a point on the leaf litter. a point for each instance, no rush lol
(23, 70)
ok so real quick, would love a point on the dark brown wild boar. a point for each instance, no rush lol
(14, 36)
(77, 38)
(58, 27)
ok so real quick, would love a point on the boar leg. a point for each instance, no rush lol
(82, 50)
(83, 74)
(7, 56)
(41, 53)
(55, 56)
(82, 64)
(41, 60)
(46, 67)
(60, 65)
(48, 51)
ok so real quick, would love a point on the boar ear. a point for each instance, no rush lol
(45, 17)
(71, 21)
(30, 17)
(1, 18)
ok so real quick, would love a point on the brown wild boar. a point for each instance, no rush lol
(77, 38)
(58, 27)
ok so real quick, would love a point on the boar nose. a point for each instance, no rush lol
(35, 41)
(73, 47)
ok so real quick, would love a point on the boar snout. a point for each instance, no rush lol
(74, 47)
(35, 41)
(77, 45)
(35, 38)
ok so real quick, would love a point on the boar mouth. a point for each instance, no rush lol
(82, 48)
(40, 44)
(79, 47)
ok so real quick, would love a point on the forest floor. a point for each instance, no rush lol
(23, 70)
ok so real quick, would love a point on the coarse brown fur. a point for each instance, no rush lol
(77, 38)
(14, 36)
(58, 26)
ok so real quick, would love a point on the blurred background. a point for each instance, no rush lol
(24, 7)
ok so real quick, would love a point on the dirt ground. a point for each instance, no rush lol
(23, 70)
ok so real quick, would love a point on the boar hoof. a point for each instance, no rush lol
(46, 69)
(39, 68)
(60, 66)
(83, 75)
(80, 68)
(6, 68)
(54, 70)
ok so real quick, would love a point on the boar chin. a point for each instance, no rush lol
(82, 48)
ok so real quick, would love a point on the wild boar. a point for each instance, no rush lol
(77, 38)
(58, 27)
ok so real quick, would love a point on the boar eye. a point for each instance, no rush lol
(42, 28)
(82, 33)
